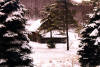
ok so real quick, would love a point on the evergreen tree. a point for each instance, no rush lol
(14, 48)
(57, 16)
(90, 42)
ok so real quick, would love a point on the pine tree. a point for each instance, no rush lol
(14, 48)
(57, 16)
(90, 42)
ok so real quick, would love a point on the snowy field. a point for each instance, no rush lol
(58, 57)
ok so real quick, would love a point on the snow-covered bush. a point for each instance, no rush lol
(14, 48)
(90, 43)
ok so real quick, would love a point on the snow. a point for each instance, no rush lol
(1, 13)
(17, 13)
(98, 21)
(33, 25)
(97, 41)
(83, 30)
(55, 33)
(1, 25)
(2, 60)
(25, 46)
(95, 9)
(10, 34)
(94, 32)
(58, 57)
(91, 15)
(9, 19)
(7, 3)
(92, 25)
(98, 13)
(77, 1)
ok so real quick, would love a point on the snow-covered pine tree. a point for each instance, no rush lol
(90, 42)
(14, 48)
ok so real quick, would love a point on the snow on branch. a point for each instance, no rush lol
(1, 13)
(9, 19)
(94, 32)
(98, 21)
(97, 41)
(92, 25)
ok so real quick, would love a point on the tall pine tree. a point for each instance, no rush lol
(14, 48)
(90, 42)
(57, 16)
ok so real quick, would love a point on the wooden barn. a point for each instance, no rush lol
(36, 37)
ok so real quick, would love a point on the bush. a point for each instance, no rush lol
(50, 43)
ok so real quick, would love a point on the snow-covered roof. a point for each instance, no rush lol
(55, 33)
(33, 25)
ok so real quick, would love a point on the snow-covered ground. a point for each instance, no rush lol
(58, 57)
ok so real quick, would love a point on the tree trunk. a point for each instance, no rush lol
(51, 34)
(67, 37)
(66, 24)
